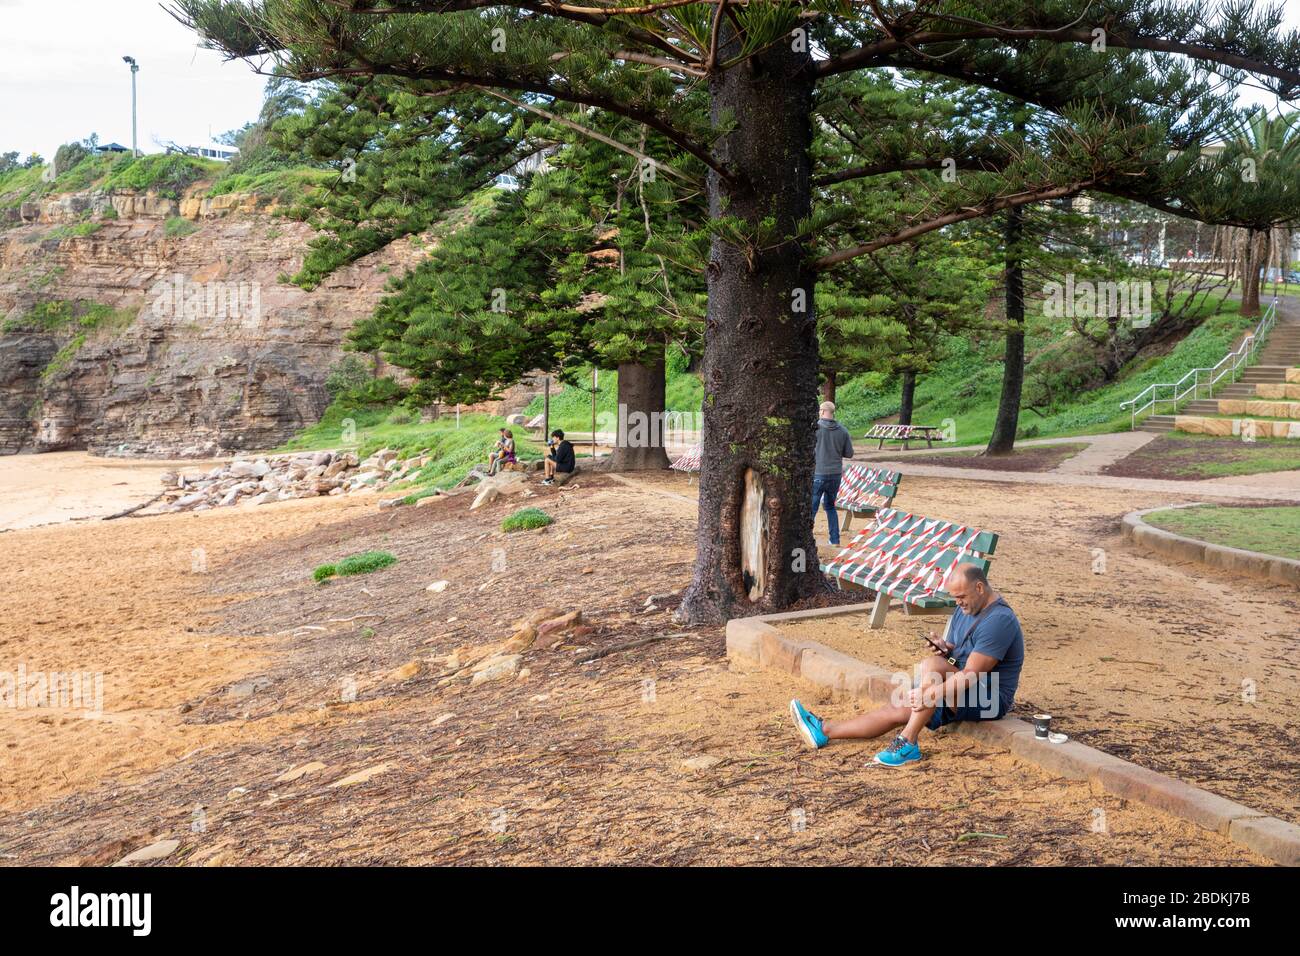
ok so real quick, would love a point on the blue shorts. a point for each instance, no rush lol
(944, 714)
(953, 715)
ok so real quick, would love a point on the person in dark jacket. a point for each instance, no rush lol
(560, 461)
(833, 445)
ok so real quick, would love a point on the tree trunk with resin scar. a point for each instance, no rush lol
(755, 549)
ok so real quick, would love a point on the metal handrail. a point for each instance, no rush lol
(1230, 364)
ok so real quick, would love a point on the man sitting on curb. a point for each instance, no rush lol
(560, 461)
(988, 648)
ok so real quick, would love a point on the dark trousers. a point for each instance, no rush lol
(825, 489)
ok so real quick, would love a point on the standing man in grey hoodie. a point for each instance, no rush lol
(833, 444)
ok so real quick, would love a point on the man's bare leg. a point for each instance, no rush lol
(865, 726)
(884, 719)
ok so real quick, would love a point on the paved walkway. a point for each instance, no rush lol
(1274, 486)
(1102, 450)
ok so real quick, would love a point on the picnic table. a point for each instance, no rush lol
(905, 433)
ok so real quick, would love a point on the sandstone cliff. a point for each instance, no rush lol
(205, 352)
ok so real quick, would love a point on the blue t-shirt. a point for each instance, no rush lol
(994, 632)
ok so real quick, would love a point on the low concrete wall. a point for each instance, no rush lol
(759, 641)
(1279, 570)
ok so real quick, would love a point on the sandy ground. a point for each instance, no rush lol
(219, 680)
(73, 485)
(124, 606)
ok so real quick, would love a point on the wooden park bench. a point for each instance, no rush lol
(905, 433)
(688, 462)
(864, 491)
(908, 557)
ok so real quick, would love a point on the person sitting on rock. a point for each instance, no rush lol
(560, 461)
(974, 679)
(507, 457)
(498, 452)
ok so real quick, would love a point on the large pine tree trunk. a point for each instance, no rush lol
(1003, 439)
(828, 386)
(641, 424)
(755, 548)
(1250, 273)
(905, 399)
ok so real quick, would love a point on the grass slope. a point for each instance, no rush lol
(963, 387)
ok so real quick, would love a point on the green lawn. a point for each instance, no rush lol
(1269, 530)
(1189, 457)
(1025, 458)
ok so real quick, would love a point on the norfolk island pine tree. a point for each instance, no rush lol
(553, 279)
(761, 64)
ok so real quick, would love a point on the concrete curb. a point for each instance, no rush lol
(757, 641)
(1278, 570)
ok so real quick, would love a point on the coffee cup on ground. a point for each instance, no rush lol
(1042, 725)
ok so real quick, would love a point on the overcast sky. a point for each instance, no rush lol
(62, 76)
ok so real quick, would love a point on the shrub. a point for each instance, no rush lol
(167, 174)
(79, 229)
(362, 563)
(178, 226)
(352, 382)
(526, 519)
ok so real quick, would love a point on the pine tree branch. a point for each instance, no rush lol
(1041, 194)
(969, 163)
(591, 133)
(880, 53)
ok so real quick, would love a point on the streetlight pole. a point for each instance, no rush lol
(135, 68)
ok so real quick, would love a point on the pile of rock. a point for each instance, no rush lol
(282, 477)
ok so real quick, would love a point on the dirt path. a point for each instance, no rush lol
(576, 762)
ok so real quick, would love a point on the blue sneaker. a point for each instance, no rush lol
(899, 753)
(809, 726)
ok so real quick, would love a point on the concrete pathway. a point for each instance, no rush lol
(1102, 450)
(1275, 486)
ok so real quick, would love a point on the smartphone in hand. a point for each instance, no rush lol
(942, 651)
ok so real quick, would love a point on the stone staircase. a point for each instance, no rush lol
(1280, 352)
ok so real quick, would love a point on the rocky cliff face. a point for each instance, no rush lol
(204, 352)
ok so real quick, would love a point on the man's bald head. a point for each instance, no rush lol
(969, 587)
(973, 574)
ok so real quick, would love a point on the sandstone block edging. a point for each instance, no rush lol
(1278, 569)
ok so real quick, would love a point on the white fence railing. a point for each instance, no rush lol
(1190, 385)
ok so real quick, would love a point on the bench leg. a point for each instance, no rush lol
(848, 520)
(878, 611)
